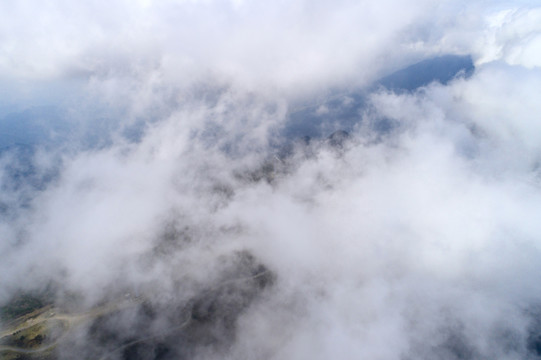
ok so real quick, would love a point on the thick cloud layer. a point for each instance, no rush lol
(173, 180)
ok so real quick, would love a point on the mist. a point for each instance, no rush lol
(285, 180)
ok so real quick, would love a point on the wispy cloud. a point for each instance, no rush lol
(417, 241)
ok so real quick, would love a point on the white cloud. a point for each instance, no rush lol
(418, 242)
(512, 35)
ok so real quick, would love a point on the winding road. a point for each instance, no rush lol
(68, 320)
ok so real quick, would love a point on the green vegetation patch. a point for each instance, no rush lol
(25, 303)
(27, 338)
(21, 305)
(14, 355)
